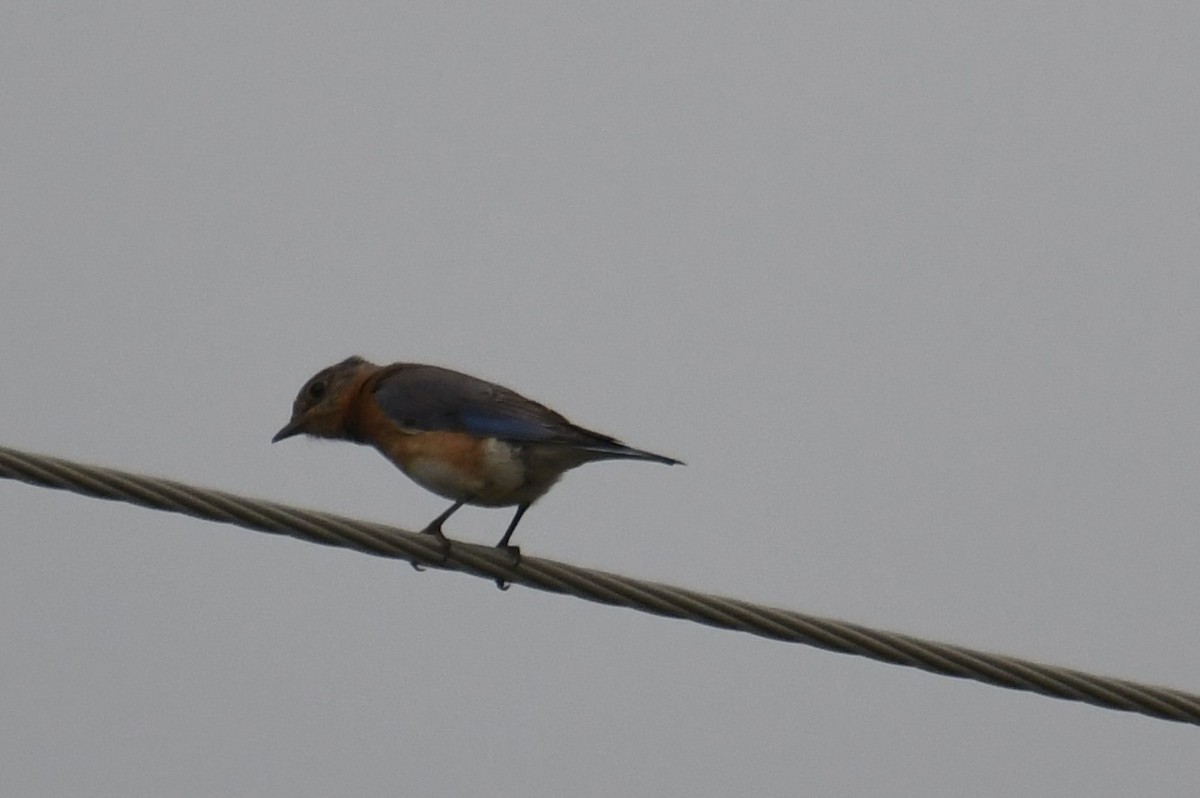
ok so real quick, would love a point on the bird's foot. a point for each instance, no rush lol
(434, 529)
(515, 551)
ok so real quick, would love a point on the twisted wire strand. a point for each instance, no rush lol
(599, 586)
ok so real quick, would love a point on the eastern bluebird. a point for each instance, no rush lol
(461, 437)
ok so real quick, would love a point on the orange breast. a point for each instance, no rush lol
(457, 451)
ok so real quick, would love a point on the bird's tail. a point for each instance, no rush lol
(615, 450)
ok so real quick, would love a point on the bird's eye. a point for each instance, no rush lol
(317, 390)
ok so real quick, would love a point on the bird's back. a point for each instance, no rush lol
(420, 397)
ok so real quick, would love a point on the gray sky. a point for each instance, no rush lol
(912, 288)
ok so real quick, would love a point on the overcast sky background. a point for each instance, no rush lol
(912, 288)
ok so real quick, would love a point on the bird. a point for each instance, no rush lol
(461, 437)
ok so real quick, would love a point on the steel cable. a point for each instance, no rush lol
(606, 588)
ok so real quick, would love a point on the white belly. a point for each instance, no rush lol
(500, 481)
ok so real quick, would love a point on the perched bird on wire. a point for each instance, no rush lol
(461, 437)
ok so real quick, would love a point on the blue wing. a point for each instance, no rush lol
(430, 398)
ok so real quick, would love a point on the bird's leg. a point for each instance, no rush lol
(435, 528)
(512, 525)
(504, 544)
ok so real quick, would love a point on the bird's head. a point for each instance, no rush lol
(321, 406)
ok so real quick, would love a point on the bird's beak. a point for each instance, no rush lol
(293, 427)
